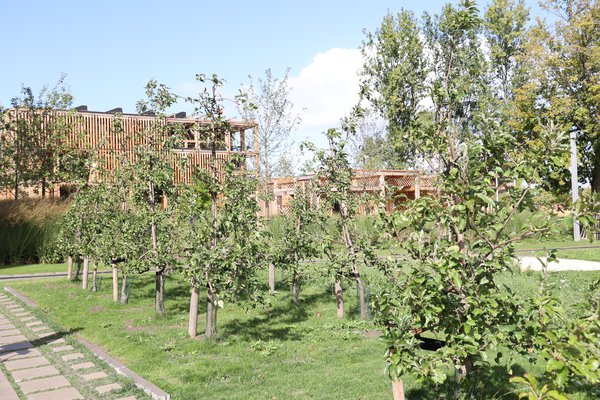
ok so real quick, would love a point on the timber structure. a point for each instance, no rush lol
(393, 186)
(102, 137)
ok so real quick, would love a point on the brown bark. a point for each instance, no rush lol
(462, 372)
(124, 295)
(86, 272)
(271, 278)
(398, 389)
(295, 289)
(160, 293)
(193, 319)
(360, 286)
(595, 184)
(339, 298)
(211, 315)
(115, 281)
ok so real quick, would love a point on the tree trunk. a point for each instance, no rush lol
(271, 278)
(78, 269)
(295, 289)
(160, 293)
(596, 176)
(70, 268)
(362, 302)
(398, 389)
(462, 372)
(115, 281)
(339, 298)
(211, 315)
(95, 278)
(86, 271)
(193, 319)
(124, 295)
(360, 287)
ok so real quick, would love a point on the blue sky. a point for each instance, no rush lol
(110, 49)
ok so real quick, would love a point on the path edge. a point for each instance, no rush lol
(120, 368)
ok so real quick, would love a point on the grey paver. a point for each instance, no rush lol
(84, 365)
(33, 323)
(29, 318)
(93, 376)
(23, 314)
(12, 339)
(16, 355)
(44, 384)
(72, 356)
(10, 347)
(108, 388)
(33, 373)
(62, 348)
(55, 341)
(39, 328)
(127, 398)
(6, 326)
(6, 390)
(26, 363)
(62, 394)
(9, 332)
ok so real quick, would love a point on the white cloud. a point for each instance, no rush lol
(327, 89)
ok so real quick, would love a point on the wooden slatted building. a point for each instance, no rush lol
(106, 135)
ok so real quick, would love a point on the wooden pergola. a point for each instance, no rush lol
(391, 185)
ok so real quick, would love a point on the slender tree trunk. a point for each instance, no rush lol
(78, 268)
(124, 295)
(193, 319)
(398, 389)
(462, 372)
(70, 268)
(95, 278)
(86, 272)
(160, 293)
(115, 281)
(295, 288)
(271, 278)
(211, 315)
(360, 287)
(339, 297)
(595, 181)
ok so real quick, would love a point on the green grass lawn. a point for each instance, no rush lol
(32, 269)
(273, 352)
(531, 248)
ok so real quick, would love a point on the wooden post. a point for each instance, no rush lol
(70, 268)
(193, 318)
(86, 270)
(115, 278)
(398, 389)
(418, 186)
(271, 278)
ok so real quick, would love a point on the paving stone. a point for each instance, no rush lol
(15, 346)
(84, 365)
(19, 310)
(12, 306)
(127, 398)
(62, 394)
(23, 314)
(62, 348)
(33, 373)
(5, 326)
(72, 356)
(51, 342)
(6, 390)
(12, 339)
(17, 355)
(25, 319)
(46, 335)
(39, 328)
(9, 332)
(94, 376)
(34, 323)
(108, 388)
(26, 363)
(44, 384)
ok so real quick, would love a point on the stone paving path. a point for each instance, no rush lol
(37, 364)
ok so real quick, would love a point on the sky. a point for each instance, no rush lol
(110, 49)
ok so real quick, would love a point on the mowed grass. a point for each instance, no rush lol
(32, 269)
(279, 351)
